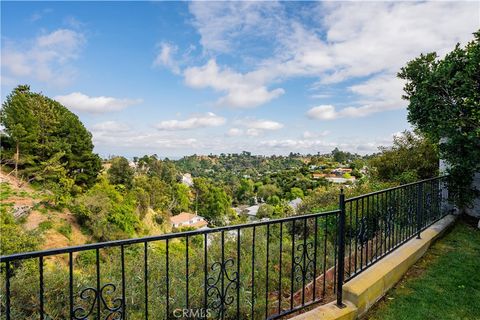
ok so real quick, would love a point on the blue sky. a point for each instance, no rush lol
(177, 78)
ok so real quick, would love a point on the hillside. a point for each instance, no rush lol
(54, 228)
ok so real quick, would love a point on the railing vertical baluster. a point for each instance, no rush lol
(70, 282)
(7, 289)
(367, 229)
(167, 280)
(293, 265)
(280, 271)
(341, 250)
(395, 219)
(362, 235)
(419, 208)
(401, 216)
(405, 212)
(145, 276)
(222, 271)
(379, 226)
(350, 240)
(389, 220)
(412, 212)
(335, 252)
(97, 255)
(124, 304)
(205, 274)
(40, 267)
(392, 222)
(253, 272)
(386, 221)
(356, 234)
(266, 276)
(238, 273)
(304, 271)
(439, 198)
(325, 257)
(187, 304)
(378, 210)
(315, 259)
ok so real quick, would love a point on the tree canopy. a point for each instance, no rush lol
(39, 129)
(410, 158)
(444, 103)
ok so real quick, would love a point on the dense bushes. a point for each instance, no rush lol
(14, 238)
(106, 212)
(412, 157)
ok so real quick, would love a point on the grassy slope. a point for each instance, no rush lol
(57, 228)
(443, 285)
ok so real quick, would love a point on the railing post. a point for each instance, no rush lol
(419, 208)
(341, 250)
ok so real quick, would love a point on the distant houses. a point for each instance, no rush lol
(186, 219)
(252, 211)
(187, 179)
(337, 175)
(295, 203)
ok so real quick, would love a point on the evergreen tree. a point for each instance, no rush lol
(41, 128)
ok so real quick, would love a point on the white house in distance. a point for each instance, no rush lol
(295, 203)
(187, 219)
(187, 179)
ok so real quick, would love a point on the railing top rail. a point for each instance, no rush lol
(394, 188)
(115, 243)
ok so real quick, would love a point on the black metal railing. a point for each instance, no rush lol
(379, 222)
(261, 270)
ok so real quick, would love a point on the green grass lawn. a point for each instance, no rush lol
(443, 285)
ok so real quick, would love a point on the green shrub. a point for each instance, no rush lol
(45, 225)
(66, 229)
(5, 191)
(13, 238)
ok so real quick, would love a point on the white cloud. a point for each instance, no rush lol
(342, 46)
(222, 25)
(261, 124)
(296, 144)
(165, 57)
(311, 135)
(46, 58)
(111, 126)
(252, 132)
(81, 102)
(203, 121)
(322, 112)
(234, 132)
(145, 141)
(320, 96)
(242, 90)
(253, 127)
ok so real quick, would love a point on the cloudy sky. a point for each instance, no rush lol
(267, 77)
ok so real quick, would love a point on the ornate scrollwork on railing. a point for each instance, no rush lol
(428, 205)
(389, 219)
(409, 216)
(439, 201)
(362, 233)
(220, 297)
(304, 270)
(115, 309)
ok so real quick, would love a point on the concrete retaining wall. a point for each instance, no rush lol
(371, 285)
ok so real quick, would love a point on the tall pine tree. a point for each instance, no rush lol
(38, 129)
